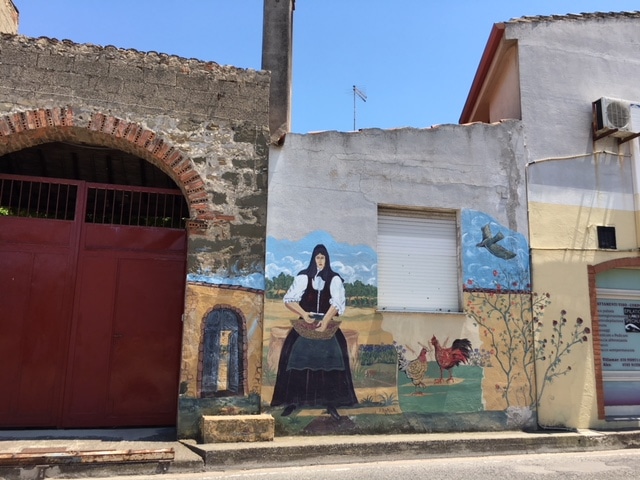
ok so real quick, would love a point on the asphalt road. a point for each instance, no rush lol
(613, 464)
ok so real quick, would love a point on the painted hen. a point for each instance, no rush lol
(415, 369)
(447, 358)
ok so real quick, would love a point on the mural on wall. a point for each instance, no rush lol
(445, 358)
(455, 381)
(510, 316)
(221, 353)
(497, 296)
(314, 370)
(554, 346)
(382, 379)
(422, 372)
(324, 328)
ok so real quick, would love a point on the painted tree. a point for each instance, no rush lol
(505, 316)
(511, 319)
(552, 348)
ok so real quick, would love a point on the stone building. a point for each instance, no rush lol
(132, 224)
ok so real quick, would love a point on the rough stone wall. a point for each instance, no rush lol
(203, 124)
(214, 116)
(46, 70)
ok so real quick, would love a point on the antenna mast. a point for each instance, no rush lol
(357, 93)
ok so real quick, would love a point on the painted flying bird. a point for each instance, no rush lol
(491, 243)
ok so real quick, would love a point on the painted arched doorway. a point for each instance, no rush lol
(222, 353)
(92, 275)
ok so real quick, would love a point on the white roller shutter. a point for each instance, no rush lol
(417, 262)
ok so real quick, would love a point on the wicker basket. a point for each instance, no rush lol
(308, 330)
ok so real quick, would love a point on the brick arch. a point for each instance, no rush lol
(593, 271)
(27, 128)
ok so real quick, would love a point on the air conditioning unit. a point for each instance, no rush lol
(612, 117)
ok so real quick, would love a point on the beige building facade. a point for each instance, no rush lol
(552, 72)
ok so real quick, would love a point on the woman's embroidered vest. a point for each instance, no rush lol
(309, 301)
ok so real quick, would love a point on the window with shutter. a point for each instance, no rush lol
(418, 261)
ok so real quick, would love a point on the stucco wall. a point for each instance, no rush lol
(505, 99)
(8, 17)
(564, 66)
(569, 199)
(444, 167)
(327, 188)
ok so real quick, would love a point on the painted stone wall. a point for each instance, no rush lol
(204, 125)
(370, 370)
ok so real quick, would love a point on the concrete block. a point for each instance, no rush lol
(237, 428)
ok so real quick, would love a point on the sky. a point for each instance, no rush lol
(413, 60)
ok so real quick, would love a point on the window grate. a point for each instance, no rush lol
(153, 208)
(34, 199)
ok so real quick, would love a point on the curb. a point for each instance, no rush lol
(347, 449)
(191, 457)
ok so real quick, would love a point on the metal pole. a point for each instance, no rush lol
(354, 108)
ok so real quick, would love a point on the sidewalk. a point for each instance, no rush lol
(345, 449)
(36, 454)
(110, 453)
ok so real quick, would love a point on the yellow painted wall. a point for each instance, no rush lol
(564, 244)
(572, 229)
(200, 300)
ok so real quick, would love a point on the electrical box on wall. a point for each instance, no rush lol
(615, 117)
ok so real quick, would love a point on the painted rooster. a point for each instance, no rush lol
(447, 358)
(415, 369)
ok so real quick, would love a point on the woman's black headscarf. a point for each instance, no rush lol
(312, 269)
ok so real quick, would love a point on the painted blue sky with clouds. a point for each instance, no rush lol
(352, 262)
(479, 264)
(360, 262)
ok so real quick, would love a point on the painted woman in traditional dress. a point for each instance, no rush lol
(313, 370)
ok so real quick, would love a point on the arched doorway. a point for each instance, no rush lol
(615, 303)
(92, 271)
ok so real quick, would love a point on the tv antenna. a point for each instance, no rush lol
(357, 93)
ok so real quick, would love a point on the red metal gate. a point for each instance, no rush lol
(91, 297)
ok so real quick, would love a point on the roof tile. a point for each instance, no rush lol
(574, 16)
